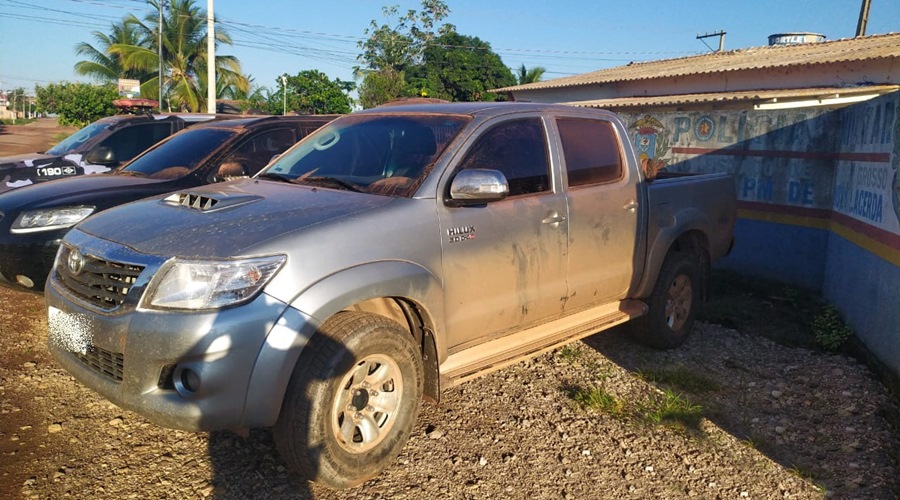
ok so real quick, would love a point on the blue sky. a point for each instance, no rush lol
(37, 37)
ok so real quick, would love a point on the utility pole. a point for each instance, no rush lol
(15, 113)
(863, 18)
(720, 34)
(210, 59)
(284, 94)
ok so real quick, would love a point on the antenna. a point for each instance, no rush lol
(720, 34)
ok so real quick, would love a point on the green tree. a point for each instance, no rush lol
(311, 92)
(76, 103)
(459, 68)
(390, 48)
(103, 65)
(530, 75)
(184, 54)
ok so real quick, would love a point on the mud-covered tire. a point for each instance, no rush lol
(351, 401)
(672, 305)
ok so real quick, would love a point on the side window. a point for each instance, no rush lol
(591, 151)
(518, 149)
(255, 152)
(132, 141)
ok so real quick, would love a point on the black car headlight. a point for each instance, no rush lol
(48, 219)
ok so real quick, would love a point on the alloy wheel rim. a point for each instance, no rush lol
(678, 302)
(366, 403)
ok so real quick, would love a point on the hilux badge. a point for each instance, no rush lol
(75, 262)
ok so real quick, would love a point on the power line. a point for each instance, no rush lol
(331, 48)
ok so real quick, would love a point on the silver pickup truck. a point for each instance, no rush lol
(391, 254)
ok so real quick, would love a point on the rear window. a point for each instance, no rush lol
(179, 154)
(591, 151)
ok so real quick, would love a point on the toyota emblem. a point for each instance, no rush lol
(75, 262)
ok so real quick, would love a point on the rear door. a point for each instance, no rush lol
(603, 216)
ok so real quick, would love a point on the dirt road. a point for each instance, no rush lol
(32, 137)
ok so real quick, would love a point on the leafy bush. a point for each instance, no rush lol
(76, 103)
(830, 330)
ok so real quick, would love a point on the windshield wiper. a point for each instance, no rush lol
(276, 177)
(332, 181)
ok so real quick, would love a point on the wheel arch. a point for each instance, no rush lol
(402, 291)
(689, 237)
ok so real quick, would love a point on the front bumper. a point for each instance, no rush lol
(179, 369)
(27, 258)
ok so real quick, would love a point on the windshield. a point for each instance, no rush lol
(78, 138)
(379, 154)
(180, 154)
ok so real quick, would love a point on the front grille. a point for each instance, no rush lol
(101, 283)
(106, 363)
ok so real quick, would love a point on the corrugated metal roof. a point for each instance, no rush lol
(733, 97)
(754, 58)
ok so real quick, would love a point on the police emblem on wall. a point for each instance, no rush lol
(649, 141)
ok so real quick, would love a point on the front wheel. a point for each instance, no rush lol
(352, 400)
(673, 304)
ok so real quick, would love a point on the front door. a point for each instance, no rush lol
(504, 264)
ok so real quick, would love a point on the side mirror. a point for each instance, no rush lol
(477, 187)
(231, 170)
(101, 156)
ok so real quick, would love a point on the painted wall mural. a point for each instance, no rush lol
(827, 160)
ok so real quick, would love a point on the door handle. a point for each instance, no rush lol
(630, 206)
(553, 219)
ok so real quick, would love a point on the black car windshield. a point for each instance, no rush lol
(72, 142)
(384, 154)
(179, 154)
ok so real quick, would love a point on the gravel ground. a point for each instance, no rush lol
(777, 422)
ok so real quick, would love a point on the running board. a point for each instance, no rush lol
(496, 354)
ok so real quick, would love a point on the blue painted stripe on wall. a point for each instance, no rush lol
(866, 290)
(783, 252)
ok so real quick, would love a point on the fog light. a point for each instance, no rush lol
(24, 281)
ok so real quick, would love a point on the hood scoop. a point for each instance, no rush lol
(208, 203)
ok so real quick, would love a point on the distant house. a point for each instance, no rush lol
(832, 73)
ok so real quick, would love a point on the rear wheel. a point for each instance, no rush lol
(673, 304)
(352, 400)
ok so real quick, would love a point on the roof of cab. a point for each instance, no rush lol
(245, 121)
(465, 108)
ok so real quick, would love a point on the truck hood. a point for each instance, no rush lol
(25, 160)
(224, 220)
(95, 190)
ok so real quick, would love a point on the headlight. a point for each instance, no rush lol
(47, 219)
(182, 284)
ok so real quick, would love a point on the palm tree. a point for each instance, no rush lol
(101, 64)
(530, 75)
(184, 54)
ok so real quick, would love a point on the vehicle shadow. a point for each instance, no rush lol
(796, 406)
(250, 466)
